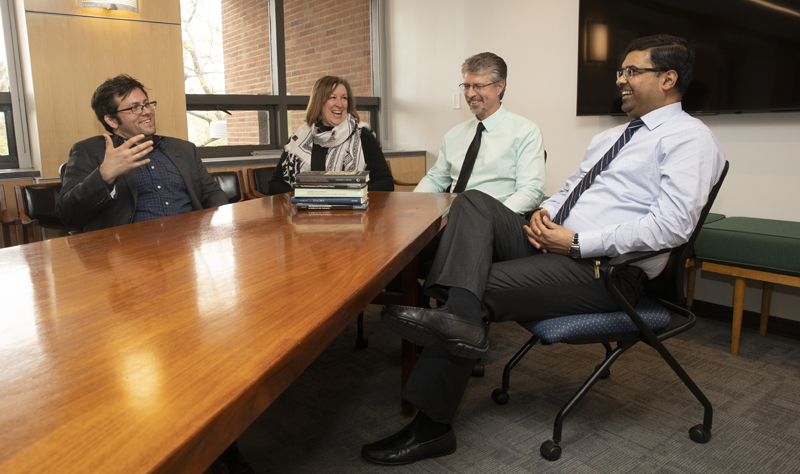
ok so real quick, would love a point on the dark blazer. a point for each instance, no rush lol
(84, 201)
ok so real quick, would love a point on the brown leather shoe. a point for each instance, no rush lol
(424, 326)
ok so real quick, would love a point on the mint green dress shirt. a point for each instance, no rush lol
(509, 166)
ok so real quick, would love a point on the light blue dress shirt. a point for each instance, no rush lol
(509, 166)
(651, 195)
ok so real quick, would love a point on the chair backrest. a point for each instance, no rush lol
(230, 183)
(259, 178)
(3, 207)
(62, 170)
(670, 284)
(38, 201)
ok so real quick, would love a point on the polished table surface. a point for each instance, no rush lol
(151, 347)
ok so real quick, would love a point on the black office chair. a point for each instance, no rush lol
(259, 180)
(62, 170)
(650, 321)
(36, 204)
(231, 184)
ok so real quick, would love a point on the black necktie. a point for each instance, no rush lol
(602, 164)
(469, 160)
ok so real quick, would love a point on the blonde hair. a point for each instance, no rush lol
(322, 91)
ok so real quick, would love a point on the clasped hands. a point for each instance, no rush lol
(547, 236)
(120, 160)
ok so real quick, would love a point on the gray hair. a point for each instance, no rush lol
(486, 63)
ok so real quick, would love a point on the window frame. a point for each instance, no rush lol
(279, 103)
(12, 103)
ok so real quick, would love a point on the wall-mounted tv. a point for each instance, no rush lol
(747, 52)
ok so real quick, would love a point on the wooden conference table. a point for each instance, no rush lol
(151, 347)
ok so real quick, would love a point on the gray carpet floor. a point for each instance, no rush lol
(635, 421)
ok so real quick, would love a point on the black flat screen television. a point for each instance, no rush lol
(747, 52)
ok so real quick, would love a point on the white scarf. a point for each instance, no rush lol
(343, 143)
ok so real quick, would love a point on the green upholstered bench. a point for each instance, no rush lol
(749, 248)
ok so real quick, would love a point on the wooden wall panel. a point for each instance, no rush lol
(168, 11)
(71, 56)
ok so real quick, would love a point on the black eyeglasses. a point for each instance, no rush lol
(629, 72)
(476, 87)
(139, 109)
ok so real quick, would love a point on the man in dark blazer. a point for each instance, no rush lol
(136, 176)
(133, 175)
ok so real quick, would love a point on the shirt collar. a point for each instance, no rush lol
(656, 117)
(159, 141)
(491, 121)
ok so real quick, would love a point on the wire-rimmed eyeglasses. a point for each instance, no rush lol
(629, 72)
(476, 87)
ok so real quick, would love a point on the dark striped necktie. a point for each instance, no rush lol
(602, 164)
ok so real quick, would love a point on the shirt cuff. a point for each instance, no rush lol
(112, 189)
(591, 243)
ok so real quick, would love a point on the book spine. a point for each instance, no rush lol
(326, 193)
(328, 185)
(332, 207)
(330, 179)
(327, 200)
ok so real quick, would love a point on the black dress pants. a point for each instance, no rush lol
(484, 249)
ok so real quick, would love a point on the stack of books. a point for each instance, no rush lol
(331, 190)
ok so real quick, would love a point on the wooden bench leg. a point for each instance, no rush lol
(691, 265)
(766, 297)
(738, 309)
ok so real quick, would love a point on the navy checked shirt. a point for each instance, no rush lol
(162, 191)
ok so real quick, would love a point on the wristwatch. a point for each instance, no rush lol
(575, 249)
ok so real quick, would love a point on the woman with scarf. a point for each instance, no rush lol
(332, 139)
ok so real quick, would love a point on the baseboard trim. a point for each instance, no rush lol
(750, 319)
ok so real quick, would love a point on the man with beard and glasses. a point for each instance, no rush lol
(497, 152)
(640, 187)
(136, 175)
(133, 174)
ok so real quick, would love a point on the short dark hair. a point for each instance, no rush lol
(489, 64)
(104, 100)
(668, 52)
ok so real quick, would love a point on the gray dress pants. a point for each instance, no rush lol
(484, 249)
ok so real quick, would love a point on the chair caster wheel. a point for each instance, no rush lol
(605, 374)
(500, 396)
(698, 434)
(550, 450)
(478, 370)
(362, 342)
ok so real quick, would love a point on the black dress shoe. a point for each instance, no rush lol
(404, 447)
(424, 326)
(230, 461)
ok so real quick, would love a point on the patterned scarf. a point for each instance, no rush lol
(343, 143)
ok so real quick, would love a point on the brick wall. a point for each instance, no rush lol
(246, 49)
(323, 37)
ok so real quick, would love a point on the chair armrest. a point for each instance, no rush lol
(255, 195)
(25, 220)
(633, 257)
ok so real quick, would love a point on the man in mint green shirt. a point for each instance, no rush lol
(510, 162)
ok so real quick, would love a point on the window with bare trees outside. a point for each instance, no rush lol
(249, 66)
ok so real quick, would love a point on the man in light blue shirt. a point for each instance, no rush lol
(510, 161)
(641, 186)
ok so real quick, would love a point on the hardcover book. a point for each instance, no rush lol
(330, 185)
(332, 207)
(330, 200)
(332, 177)
(324, 193)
